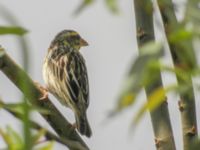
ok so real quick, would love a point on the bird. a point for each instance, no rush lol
(65, 75)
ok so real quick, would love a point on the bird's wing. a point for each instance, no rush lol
(74, 78)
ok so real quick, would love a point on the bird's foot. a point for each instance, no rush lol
(43, 90)
(44, 94)
(74, 126)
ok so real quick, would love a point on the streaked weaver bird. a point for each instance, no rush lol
(65, 75)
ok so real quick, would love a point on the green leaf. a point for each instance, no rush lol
(127, 100)
(11, 19)
(192, 17)
(48, 146)
(157, 97)
(1, 104)
(192, 12)
(38, 135)
(180, 35)
(154, 100)
(181, 73)
(148, 52)
(112, 5)
(17, 107)
(12, 139)
(82, 6)
(5, 137)
(15, 137)
(12, 30)
(139, 75)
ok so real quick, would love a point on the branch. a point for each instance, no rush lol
(184, 58)
(164, 139)
(49, 135)
(32, 92)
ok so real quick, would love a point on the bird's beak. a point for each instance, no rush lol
(83, 42)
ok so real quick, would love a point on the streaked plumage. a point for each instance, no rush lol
(65, 75)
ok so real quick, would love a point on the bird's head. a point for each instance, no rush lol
(70, 39)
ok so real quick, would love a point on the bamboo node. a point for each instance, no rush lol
(181, 105)
(165, 100)
(182, 65)
(192, 131)
(158, 142)
(141, 33)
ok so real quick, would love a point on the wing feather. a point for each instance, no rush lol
(71, 73)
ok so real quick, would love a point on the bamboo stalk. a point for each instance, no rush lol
(163, 133)
(56, 120)
(184, 58)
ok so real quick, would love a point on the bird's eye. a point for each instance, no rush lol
(75, 39)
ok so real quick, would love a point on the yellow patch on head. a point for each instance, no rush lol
(73, 33)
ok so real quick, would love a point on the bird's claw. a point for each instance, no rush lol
(43, 90)
(44, 95)
(74, 126)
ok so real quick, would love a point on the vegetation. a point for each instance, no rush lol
(145, 73)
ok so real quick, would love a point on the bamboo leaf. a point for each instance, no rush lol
(1, 104)
(192, 18)
(5, 137)
(180, 35)
(128, 100)
(182, 73)
(192, 13)
(157, 97)
(138, 76)
(152, 49)
(154, 100)
(7, 15)
(12, 139)
(84, 4)
(48, 146)
(112, 5)
(12, 30)
(18, 107)
(38, 135)
(15, 137)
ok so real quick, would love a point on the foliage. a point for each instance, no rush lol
(112, 5)
(14, 140)
(12, 30)
(140, 74)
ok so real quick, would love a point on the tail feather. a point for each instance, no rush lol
(83, 125)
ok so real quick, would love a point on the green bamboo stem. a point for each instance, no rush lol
(183, 57)
(56, 120)
(163, 133)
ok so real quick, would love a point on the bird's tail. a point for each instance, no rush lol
(83, 125)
